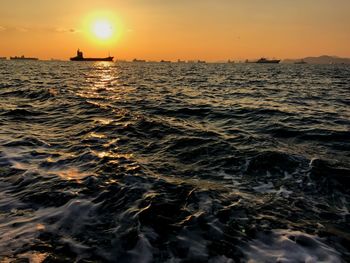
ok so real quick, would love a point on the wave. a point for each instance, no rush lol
(173, 163)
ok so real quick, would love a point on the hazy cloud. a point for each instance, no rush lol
(65, 30)
(23, 29)
(14, 29)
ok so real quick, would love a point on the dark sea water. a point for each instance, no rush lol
(128, 162)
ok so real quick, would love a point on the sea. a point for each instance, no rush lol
(174, 162)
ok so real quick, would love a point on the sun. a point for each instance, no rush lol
(102, 29)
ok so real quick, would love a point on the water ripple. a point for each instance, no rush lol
(129, 162)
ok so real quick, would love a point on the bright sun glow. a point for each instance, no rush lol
(103, 29)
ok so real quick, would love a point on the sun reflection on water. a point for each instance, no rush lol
(126, 156)
(71, 174)
(102, 81)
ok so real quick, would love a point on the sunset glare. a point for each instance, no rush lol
(102, 29)
(172, 30)
(174, 131)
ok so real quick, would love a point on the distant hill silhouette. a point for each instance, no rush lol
(321, 60)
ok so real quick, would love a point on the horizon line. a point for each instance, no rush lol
(186, 60)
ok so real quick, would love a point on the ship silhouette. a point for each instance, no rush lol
(264, 61)
(80, 57)
(22, 58)
(138, 60)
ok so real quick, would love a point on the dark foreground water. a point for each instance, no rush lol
(174, 162)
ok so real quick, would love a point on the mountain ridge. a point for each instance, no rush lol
(324, 59)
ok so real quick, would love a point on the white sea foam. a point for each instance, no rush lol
(142, 253)
(289, 246)
(265, 188)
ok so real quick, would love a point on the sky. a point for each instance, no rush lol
(210, 30)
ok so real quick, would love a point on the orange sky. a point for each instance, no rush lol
(181, 29)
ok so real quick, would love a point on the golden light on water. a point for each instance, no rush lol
(71, 174)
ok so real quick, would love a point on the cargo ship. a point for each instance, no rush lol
(22, 58)
(139, 60)
(3, 58)
(80, 57)
(268, 61)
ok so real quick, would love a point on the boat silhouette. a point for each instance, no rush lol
(138, 60)
(22, 58)
(80, 57)
(264, 60)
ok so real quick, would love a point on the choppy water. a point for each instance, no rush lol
(128, 162)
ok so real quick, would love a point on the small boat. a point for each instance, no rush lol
(201, 62)
(268, 61)
(165, 61)
(139, 60)
(22, 58)
(80, 57)
(3, 58)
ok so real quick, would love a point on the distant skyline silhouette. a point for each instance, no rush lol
(172, 30)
